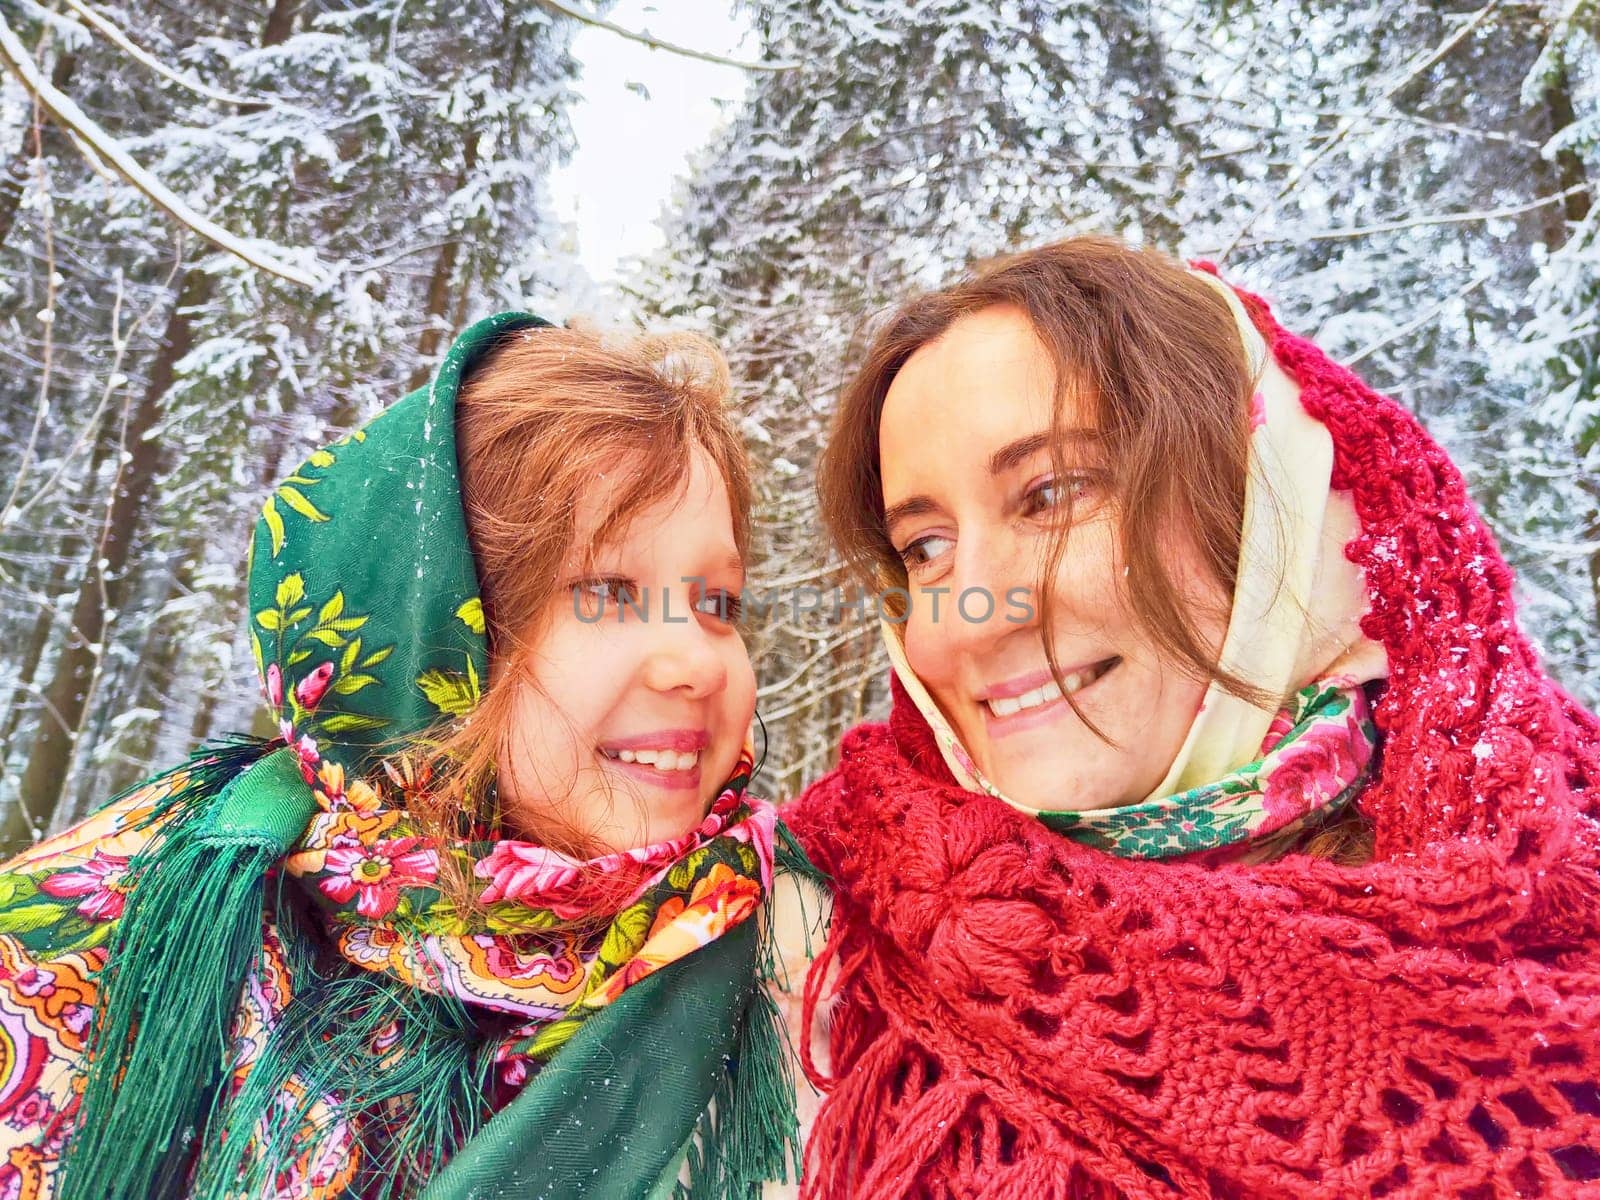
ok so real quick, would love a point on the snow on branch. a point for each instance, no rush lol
(1411, 327)
(1455, 218)
(121, 40)
(1417, 67)
(14, 57)
(648, 39)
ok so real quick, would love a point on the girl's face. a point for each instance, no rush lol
(970, 499)
(641, 692)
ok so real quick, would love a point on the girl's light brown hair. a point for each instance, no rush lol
(544, 419)
(1153, 354)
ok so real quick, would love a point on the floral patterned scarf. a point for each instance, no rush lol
(256, 974)
(1314, 761)
(376, 882)
(364, 884)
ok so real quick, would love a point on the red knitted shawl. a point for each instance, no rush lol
(1020, 1016)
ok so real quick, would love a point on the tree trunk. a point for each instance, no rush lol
(39, 636)
(280, 22)
(444, 270)
(1569, 173)
(32, 651)
(1566, 172)
(103, 589)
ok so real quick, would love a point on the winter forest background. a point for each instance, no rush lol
(1413, 183)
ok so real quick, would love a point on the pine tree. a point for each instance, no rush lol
(1340, 157)
(377, 141)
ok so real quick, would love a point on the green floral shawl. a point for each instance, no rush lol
(245, 977)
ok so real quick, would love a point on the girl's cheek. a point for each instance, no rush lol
(739, 700)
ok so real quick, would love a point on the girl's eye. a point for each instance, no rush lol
(722, 604)
(924, 550)
(608, 595)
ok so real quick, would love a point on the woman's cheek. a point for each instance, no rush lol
(1091, 570)
(922, 651)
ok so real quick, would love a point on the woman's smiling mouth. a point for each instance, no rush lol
(1038, 698)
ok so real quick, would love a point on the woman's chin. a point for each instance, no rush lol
(1039, 784)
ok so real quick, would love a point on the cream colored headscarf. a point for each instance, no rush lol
(1297, 605)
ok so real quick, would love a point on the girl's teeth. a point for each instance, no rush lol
(662, 760)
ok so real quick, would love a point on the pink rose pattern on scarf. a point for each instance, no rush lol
(1313, 761)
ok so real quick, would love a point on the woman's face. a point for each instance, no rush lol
(971, 497)
(642, 692)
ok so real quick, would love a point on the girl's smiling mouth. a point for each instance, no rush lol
(668, 758)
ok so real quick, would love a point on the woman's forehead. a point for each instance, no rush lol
(988, 381)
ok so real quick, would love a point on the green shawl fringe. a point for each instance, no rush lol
(177, 964)
(439, 1068)
(175, 967)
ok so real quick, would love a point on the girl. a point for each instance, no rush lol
(481, 920)
(1225, 838)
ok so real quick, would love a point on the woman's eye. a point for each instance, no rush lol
(1053, 492)
(924, 550)
(722, 604)
(610, 594)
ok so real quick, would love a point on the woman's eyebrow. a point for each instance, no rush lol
(916, 506)
(1014, 454)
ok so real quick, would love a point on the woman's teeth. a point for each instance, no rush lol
(661, 760)
(1005, 706)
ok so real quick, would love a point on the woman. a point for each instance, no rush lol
(1225, 838)
(482, 919)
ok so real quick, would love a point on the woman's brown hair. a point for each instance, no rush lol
(546, 416)
(1154, 354)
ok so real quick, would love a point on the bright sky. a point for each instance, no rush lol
(630, 148)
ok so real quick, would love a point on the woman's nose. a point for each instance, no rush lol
(989, 590)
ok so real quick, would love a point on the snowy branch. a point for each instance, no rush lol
(114, 380)
(655, 43)
(127, 46)
(15, 58)
(1411, 327)
(1345, 126)
(48, 317)
(1358, 231)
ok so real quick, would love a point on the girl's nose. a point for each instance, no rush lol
(682, 656)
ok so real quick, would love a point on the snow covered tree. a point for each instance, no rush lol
(1381, 171)
(400, 148)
